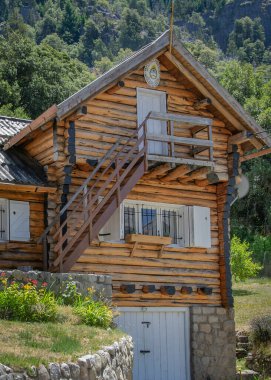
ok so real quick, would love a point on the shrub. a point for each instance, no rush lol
(261, 329)
(70, 294)
(242, 264)
(27, 303)
(94, 313)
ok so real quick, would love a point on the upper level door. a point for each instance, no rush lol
(147, 101)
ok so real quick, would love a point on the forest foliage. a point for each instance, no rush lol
(50, 49)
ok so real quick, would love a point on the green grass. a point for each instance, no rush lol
(251, 299)
(26, 344)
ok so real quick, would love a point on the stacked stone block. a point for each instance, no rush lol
(213, 343)
(101, 284)
(111, 363)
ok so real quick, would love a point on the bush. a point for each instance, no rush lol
(94, 313)
(242, 264)
(261, 330)
(26, 303)
(70, 294)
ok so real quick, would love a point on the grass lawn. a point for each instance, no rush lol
(26, 344)
(251, 299)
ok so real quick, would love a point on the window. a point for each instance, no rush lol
(14, 220)
(152, 219)
(189, 226)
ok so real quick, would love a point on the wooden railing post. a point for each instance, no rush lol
(60, 252)
(85, 203)
(90, 217)
(172, 147)
(118, 181)
(145, 145)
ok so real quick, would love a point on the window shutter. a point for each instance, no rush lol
(19, 221)
(111, 230)
(198, 227)
(3, 219)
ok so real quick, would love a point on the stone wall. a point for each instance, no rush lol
(101, 284)
(111, 363)
(213, 343)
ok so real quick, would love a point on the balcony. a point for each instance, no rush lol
(185, 140)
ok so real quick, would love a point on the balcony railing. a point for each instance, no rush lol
(175, 146)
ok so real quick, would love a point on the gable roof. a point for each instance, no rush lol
(184, 62)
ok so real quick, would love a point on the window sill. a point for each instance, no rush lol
(148, 239)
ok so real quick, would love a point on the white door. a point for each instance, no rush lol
(147, 101)
(161, 342)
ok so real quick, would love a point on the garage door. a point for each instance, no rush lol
(161, 340)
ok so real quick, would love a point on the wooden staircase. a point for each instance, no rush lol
(81, 219)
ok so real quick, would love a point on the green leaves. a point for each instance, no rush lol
(242, 264)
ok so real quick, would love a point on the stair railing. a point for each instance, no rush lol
(84, 206)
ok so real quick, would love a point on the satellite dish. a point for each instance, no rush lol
(242, 187)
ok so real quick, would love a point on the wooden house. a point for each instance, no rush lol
(141, 168)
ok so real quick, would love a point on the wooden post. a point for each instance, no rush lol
(90, 217)
(145, 146)
(172, 135)
(210, 137)
(45, 254)
(118, 182)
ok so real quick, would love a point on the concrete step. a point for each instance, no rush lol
(241, 353)
(247, 374)
(246, 346)
(242, 338)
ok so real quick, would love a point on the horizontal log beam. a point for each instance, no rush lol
(186, 161)
(181, 140)
(183, 119)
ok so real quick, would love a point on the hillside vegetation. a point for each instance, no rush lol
(49, 49)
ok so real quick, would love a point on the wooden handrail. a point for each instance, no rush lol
(185, 119)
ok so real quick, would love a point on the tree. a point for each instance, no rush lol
(34, 77)
(130, 30)
(242, 265)
(71, 24)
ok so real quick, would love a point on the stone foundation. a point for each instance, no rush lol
(111, 363)
(213, 343)
(101, 284)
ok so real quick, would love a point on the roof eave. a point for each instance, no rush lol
(35, 124)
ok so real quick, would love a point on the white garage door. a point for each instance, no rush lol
(161, 340)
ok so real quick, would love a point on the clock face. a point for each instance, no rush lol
(152, 73)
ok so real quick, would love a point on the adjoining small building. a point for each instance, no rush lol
(134, 176)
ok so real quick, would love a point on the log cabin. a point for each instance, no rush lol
(134, 176)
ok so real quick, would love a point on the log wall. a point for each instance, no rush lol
(109, 117)
(14, 254)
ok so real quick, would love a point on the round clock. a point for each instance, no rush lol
(152, 73)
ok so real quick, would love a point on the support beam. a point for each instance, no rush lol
(178, 172)
(116, 88)
(256, 155)
(196, 174)
(240, 138)
(158, 170)
(202, 104)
